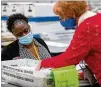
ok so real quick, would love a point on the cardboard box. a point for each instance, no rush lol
(22, 72)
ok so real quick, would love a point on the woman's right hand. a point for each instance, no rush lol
(39, 66)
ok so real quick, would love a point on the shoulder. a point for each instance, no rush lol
(89, 22)
(92, 20)
(40, 40)
(11, 46)
(10, 51)
(88, 26)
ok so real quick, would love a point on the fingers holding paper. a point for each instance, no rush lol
(39, 66)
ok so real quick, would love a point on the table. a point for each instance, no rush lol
(82, 83)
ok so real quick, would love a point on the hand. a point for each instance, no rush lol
(38, 66)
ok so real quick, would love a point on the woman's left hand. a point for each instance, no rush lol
(39, 66)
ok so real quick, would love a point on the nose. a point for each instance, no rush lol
(24, 34)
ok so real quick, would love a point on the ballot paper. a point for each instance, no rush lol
(22, 72)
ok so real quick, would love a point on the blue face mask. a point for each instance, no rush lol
(27, 39)
(69, 23)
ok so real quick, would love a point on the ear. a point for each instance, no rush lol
(29, 27)
(15, 35)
